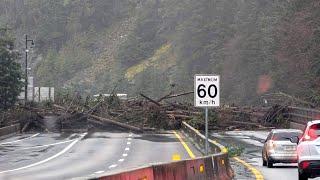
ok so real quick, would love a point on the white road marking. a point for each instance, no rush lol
(124, 155)
(127, 149)
(98, 172)
(121, 160)
(48, 159)
(130, 135)
(128, 143)
(129, 139)
(20, 139)
(113, 166)
(40, 146)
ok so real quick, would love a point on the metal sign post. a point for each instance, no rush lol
(206, 94)
(207, 141)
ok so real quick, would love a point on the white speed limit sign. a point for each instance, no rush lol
(206, 90)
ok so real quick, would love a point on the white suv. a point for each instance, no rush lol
(308, 151)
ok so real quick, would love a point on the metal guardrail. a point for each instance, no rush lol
(302, 115)
(199, 139)
(218, 151)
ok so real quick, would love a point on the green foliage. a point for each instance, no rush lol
(199, 121)
(10, 72)
(144, 40)
(113, 101)
(64, 96)
(234, 150)
(148, 82)
(64, 64)
(47, 104)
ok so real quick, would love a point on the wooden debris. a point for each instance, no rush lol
(174, 95)
(105, 120)
(151, 100)
(147, 113)
(25, 127)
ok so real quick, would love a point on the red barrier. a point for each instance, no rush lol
(197, 169)
(139, 174)
(175, 171)
(224, 170)
(200, 169)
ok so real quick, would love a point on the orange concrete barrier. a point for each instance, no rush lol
(198, 169)
(222, 167)
(194, 169)
(176, 170)
(138, 174)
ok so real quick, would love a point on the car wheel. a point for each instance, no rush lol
(264, 162)
(302, 176)
(269, 164)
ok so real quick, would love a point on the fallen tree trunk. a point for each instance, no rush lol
(183, 112)
(174, 95)
(180, 116)
(105, 120)
(25, 127)
(151, 100)
(126, 126)
(62, 108)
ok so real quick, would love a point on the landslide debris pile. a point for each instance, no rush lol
(144, 113)
(29, 118)
(137, 114)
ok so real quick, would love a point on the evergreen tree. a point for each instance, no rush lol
(10, 72)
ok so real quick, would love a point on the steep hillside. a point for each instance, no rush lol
(156, 46)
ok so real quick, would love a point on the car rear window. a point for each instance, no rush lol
(314, 130)
(285, 136)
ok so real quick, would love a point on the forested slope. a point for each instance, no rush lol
(155, 46)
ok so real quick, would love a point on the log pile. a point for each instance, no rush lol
(137, 115)
(28, 118)
(144, 114)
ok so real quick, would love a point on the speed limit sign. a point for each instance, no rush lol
(206, 90)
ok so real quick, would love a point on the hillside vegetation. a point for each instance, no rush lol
(156, 46)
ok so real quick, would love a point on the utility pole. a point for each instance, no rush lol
(26, 69)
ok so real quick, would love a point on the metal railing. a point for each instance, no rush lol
(199, 139)
(302, 115)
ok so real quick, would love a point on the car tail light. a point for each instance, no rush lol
(304, 164)
(310, 136)
(272, 145)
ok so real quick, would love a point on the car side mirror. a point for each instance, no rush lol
(294, 139)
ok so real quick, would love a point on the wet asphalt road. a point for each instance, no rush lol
(252, 142)
(65, 156)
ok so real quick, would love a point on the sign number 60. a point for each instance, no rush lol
(202, 91)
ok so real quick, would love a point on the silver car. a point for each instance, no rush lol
(278, 147)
